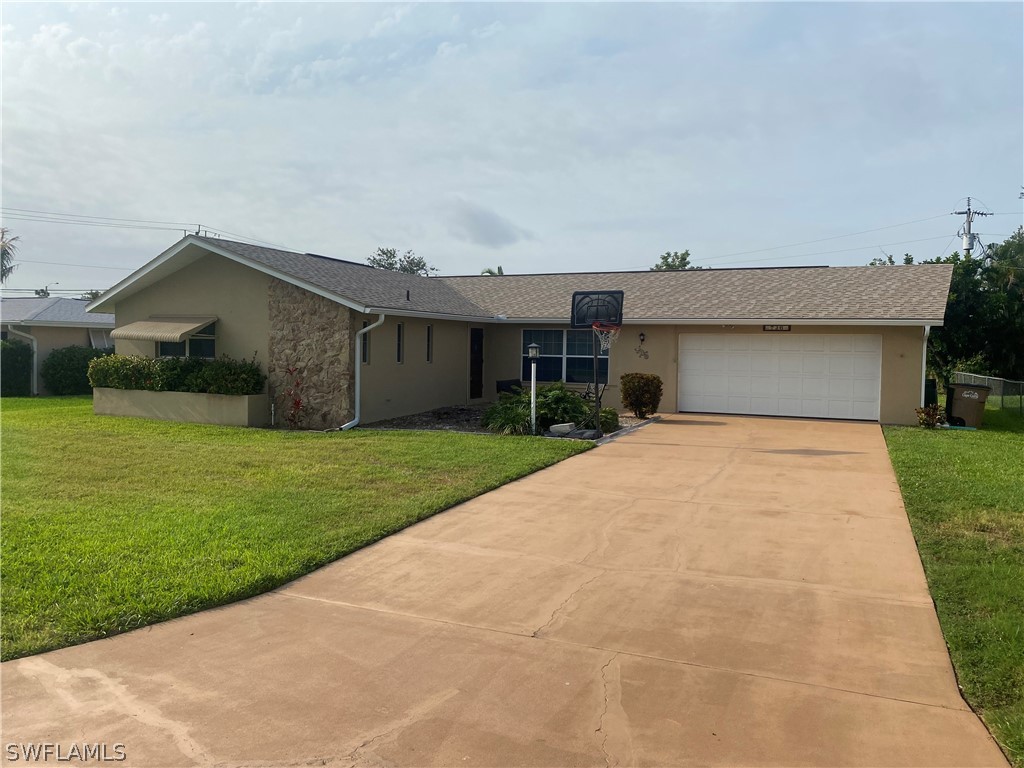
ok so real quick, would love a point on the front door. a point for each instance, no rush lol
(476, 363)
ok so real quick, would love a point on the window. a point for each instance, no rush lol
(202, 343)
(366, 344)
(400, 336)
(564, 356)
(100, 339)
(430, 343)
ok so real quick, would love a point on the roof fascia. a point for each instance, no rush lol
(99, 324)
(736, 321)
(428, 315)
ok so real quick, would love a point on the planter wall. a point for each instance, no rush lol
(195, 407)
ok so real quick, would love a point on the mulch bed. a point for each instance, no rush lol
(457, 418)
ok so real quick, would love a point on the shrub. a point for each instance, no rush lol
(930, 416)
(556, 404)
(223, 376)
(509, 416)
(65, 371)
(641, 393)
(15, 369)
(609, 420)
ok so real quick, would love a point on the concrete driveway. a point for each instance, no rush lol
(708, 590)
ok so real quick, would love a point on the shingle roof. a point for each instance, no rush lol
(52, 310)
(363, 284)
(916, 292)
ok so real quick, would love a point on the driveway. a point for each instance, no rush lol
(708, 590)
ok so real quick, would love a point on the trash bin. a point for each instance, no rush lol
(931, 392)
(965, 404)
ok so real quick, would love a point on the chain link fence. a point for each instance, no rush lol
(1006, 393)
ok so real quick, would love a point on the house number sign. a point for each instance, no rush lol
(775, 327)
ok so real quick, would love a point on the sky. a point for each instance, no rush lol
(541, 137)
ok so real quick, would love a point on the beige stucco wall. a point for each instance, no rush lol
(49, 338)
(236, 295)
(902, 348)
(391, 389)
(195, 407)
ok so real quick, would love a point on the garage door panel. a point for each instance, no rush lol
(840, 388)
(791, 362)
(840, 343)
(790, 386)
(739, 362)
(810, 375)
(865, 389)
(867, 343)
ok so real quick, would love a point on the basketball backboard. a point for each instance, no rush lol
(590, 306)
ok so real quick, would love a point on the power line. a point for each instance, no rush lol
(69, 264)
(109, 225)
(843, 250)
(88, 216)
(825, 239)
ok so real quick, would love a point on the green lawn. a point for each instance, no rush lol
(110, 524)
(964, 492)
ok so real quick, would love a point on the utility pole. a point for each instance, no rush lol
(966, 229)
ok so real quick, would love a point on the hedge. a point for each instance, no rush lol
(65, 371)
(223, 376)
(15, 368)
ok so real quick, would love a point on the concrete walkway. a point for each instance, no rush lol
(708, 590)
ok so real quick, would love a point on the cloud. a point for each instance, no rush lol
(478, 225)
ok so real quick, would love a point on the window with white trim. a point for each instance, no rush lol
(400, 336)
(366, 344)
(564, 356)
(202, 343)
(99, 338)
(430, 343)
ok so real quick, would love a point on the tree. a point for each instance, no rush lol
(889, 261)
(492, 271)
(8, 247)
(672, 261)
(984, 324)
(408, 262)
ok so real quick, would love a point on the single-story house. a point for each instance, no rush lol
(49, 323)
(826, 342)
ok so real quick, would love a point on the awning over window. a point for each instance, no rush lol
(162, 328)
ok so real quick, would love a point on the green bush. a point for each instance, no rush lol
(641, 393)
(509, 416)
(223, 376)
(65, 371)
(15, 369)
(556, 404)
(609, 420)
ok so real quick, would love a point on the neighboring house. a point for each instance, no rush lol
(51, 323)
(832, 342)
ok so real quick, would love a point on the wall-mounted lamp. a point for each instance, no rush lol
(643, 337)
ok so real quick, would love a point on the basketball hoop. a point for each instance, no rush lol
(606, 333)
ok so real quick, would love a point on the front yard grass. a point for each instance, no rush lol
(110, 524)
(964, 493)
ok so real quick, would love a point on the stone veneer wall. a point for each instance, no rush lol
(314, 335)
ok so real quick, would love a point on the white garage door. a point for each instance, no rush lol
(836, 376)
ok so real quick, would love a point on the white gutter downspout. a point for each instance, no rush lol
(924, 360)
(35, 354)
(359, 368)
